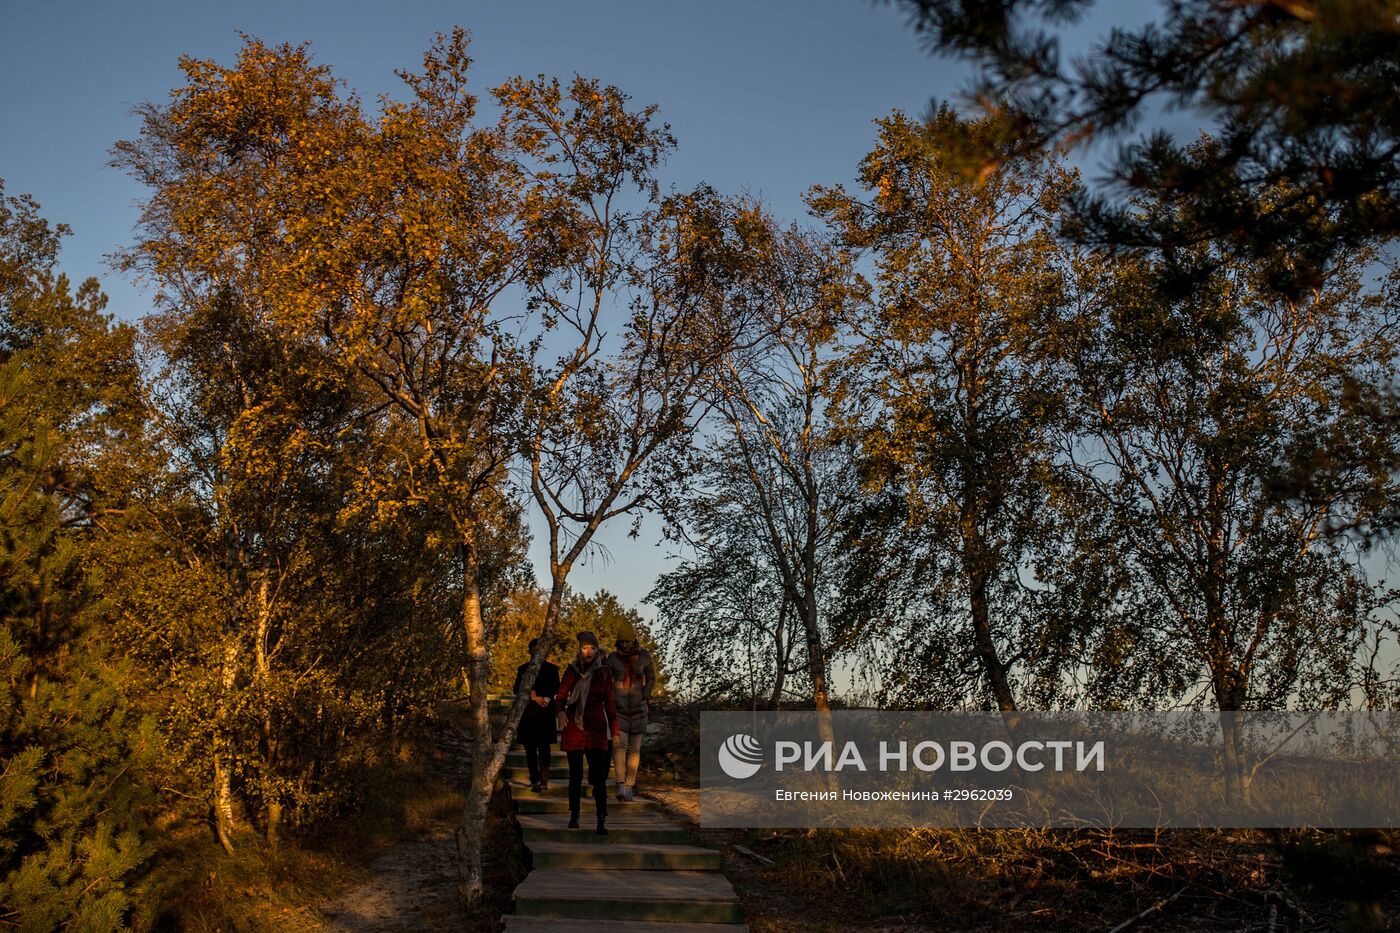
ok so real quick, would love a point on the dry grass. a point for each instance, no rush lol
(193, 886)
(938, 879)
(1089, 880)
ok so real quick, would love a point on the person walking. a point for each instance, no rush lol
(537, 724)
(634, 675)
(587, 710)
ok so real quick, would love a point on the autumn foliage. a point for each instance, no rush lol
(923, 453)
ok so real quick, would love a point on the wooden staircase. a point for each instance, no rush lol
(643, 877)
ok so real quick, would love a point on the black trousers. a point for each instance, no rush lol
(537, 760)
(598, 761)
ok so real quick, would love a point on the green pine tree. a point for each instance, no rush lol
(73, 745)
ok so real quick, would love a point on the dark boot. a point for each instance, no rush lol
(602, 830)
(600, 800)
(573, 819)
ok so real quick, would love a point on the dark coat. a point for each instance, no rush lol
(599, 713)
(633, 688)
(537, 722)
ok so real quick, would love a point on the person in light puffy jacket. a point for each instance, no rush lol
(633, 675)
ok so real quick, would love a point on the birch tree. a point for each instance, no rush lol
(525, 305)
(1190, 415)
(951, 397)
(775, 479)
(221, 160)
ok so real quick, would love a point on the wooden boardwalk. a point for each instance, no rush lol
(643, 877)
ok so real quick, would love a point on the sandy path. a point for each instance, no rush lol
(414, 888)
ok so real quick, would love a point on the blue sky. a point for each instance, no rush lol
(764, 97)
(768, 97)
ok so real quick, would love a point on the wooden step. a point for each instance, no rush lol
(631, 826)
(530, 802)
(623, 855)
(557, 786)
(515, 758)
(518, 924)
(694, 896)
(558, 771)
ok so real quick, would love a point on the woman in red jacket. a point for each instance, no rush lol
(588, 707)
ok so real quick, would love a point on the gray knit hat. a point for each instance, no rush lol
(588, 638)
